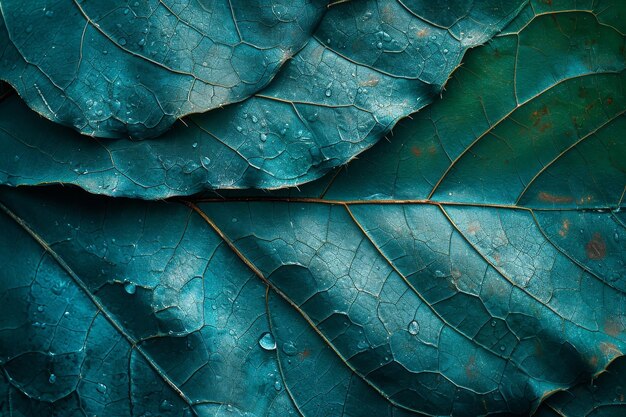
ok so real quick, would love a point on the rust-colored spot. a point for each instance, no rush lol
(585, 199)
(545, 127)
(422, 33)
(537, 115)
(551, 198)
(497, 258)
(609, 100)
(610, 350)
(473, 228)
(372, 82)
(613, 327)
(416, 151)
(564, 228)
(548, 2)
(596, 247)
(593, 361)
(470, 368)
(590, 106)
(432, 149)
(305, 354)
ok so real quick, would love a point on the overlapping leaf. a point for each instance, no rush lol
(369, 64)
(481, 271)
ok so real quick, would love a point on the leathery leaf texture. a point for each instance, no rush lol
(472, 265)
(366, 65)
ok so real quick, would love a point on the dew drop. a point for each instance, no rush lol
(40, 309)
(267, 341)
(52, 379)
(289, 348)
(206, 160)
(49, 13)
(122, 41)
(166, 406)
(254, 119)
(142, 42)
(194, 145)
(263, 137)
(493, 323)
(29, 29)
(239, 128)
(502, 348)
(616, 236)
(278, 386)
(328, 92)
(439, 274)
(130, 287)
(362, 344)
(101, 388)
(379, 45)
(413, 327)
(445, 51)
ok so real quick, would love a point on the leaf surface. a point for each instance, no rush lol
(435, 287)
(369, 64)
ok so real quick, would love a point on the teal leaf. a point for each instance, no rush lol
(472, 265)
(118, 68)
(337, 97)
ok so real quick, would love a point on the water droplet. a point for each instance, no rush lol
(52, 379)
(439, 274)
(206, 160)
(254, 119)
(502, 348)
(101, 388)
(239, 128)
(413, 327)
(194, 145)
(267, 341)
(290, 348)
(130, 287)
(141, 42)
(278, 386)
(433, 38)
(493, 323)
(328, 92)
(89, 102)
(29, 29)
(445, 51)
(40, 309)
(234, 220)
(166, 406)
(379, 45)
(122, 41)
(49, 13)
(616, 236)
(362, 344)
(263, 137)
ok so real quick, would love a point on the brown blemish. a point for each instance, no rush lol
(564, 228)
(538, 114)
(609, 100)
(596, 247)
(551, 198)
(372, 82)
(545, 127)
(470, 368)
(593, 361)
(432, 149)
(610, 350)
(613, 327)
(416, 151)
(473, 228)
(422, 33)
(305, 354)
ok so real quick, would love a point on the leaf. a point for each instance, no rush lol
(120, 68)
(400, 293)
(603, 397)
(337, 97)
